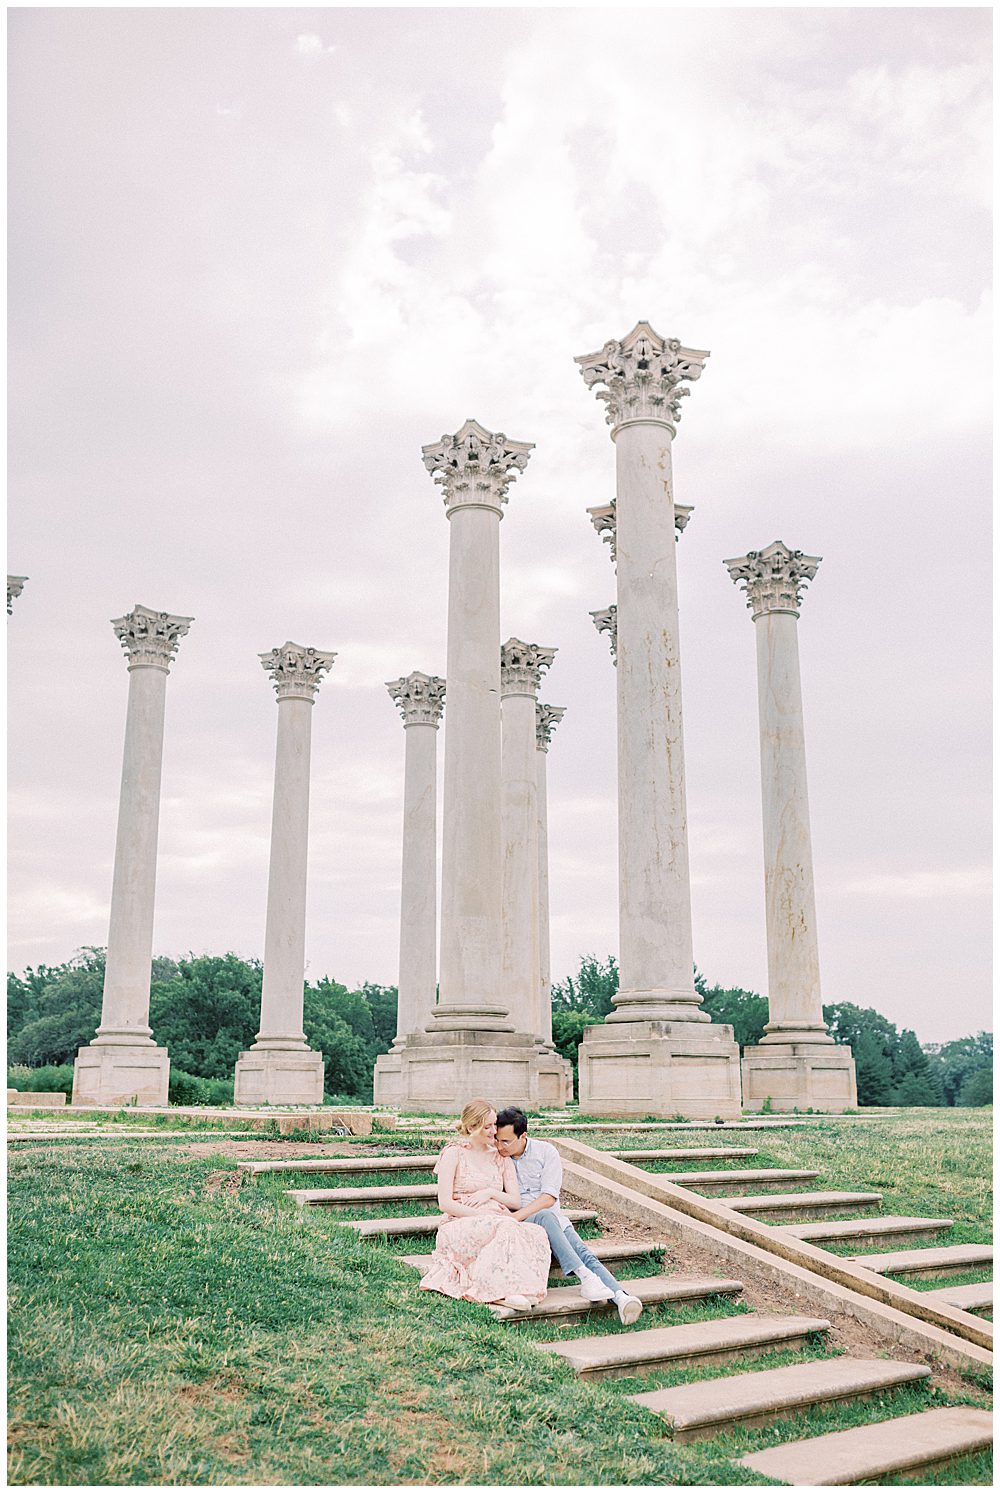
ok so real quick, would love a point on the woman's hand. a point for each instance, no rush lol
(483, 1195)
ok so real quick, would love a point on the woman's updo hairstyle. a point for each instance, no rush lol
(474, 1116)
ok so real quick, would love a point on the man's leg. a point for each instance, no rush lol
(593, 1287)
(587, 1257)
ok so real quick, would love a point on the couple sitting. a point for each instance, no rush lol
(500, 1194)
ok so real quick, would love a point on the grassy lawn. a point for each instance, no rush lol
(175, 1323)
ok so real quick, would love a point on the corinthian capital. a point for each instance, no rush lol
(476, 467)
(150, 639)
(15, 585)
(645, 376)
(547, 718)
(773, 577)
(607, 621)
(297, 672)
(605, 521)
(521, 666)
(420, 698)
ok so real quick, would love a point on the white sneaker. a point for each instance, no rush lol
(629, 1308)
(517, 1303)
(592, 1288)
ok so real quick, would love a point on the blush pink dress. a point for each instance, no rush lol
(488, 1255)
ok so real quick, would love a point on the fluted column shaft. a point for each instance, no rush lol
(296, 672)
(656, 950)
(474, 467)
(420, 698)
(150, 640)
(546, 718)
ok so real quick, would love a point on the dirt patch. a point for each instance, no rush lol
(225, 1182)
(277, 1150)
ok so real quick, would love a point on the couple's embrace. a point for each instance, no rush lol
(499, 1192)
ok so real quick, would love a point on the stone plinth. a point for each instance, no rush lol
(441, 1070)
(266, 1076)
(121, 1073)
(799, 1075)
(43, 1099)
(660, 1068)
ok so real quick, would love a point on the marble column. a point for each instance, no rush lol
(123, 1065)
(657, 1053)
(280, 1067)
(420, 698)
(796, 1065)
(547, 717)
(607, 621)
(521, 667)
(15, 585)
(469, 1046)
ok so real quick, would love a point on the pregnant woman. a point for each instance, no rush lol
(482, 1253)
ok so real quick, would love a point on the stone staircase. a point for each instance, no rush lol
(725, 1334)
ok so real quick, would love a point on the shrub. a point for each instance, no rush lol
(53, 1078)
(188, 1088)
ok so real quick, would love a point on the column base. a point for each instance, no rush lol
(121, 1073)
(799, 1075)
(438, 1072)
(661, 1069)
(272, 1076)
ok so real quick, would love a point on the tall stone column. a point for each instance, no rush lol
(123, 1065)
(658, 1052)
(15, 585)
(521, 667)
(469, 1046)
(796, 1065)
(547, 717)
(420, 698)
(280, 1067)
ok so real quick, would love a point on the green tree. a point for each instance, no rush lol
(744, 1011)
(591, 990)
(957, 1062)
(914, 1080)
(205, 1010)
(977, 1088)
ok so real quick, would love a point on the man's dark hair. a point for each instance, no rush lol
(513, 1116)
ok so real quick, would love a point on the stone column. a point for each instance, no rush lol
(796, 1064)
(420, 698)
(123, 1065)
(607, 621)
(547, 717)
(15, 585)
(280, 1067)
(521, 666)
(657, 1053)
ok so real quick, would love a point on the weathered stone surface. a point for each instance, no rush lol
(40, 1099)
(948, 1259)
(715, 1405)
(663, 1068)
(338, 1164)
(417, 1224)
(975, 1298)
(333, 1197)
(803, 1204)
(867, 1453)
(604, 1249)
(861, 1230)
(565, 1303)
(694, 1153)
(693, 1342)
(722, 1181)
(799, 1075)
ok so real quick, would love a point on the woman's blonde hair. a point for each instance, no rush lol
(474, 1116)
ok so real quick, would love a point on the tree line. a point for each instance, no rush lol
(204, 1009)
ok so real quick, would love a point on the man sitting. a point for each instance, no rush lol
(539, 1177)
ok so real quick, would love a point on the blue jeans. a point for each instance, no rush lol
(569, 1249)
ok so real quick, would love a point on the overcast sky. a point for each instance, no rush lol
(259, 257)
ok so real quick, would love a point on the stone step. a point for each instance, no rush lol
(714, 1341)
(978, 1298)
(862, 1230)
(784, 1205)
(946, 1259)
(710, 1182)
(696, 1153)
(565, 1304)
(713, 1406)
(418, 1223)
(350, 1197)
(604, 1249)
(342, 1164)
(867, 1454)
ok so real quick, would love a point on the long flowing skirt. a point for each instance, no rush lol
(488, 1257)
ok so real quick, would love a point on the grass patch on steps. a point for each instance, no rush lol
(168, 1328)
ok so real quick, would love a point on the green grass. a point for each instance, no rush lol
(168, 1331)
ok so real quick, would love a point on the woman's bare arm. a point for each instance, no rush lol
(447, 1165)
(511, 1194)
